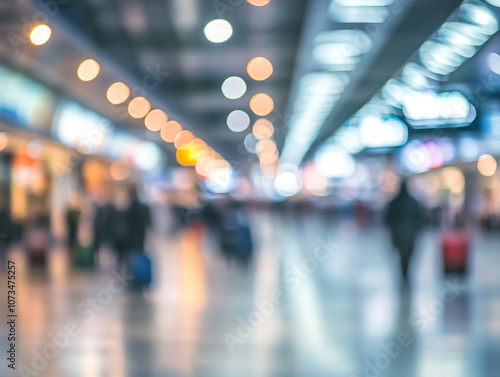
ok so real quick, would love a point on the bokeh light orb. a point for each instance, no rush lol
(261, 104)
(183, 138)
(238, 121)
(139, 107)
(265, 146)
(88, 70)
(259, 3)
(170, 130)
(218, 31)
(260, 68)
(234, 87)
(487, 165)
(117, 93)
(40, 34)
(263, 129)
(155, 120)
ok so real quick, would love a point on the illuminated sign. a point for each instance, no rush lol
(430, 109)
(24, 102)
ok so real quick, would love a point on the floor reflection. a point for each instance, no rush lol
(339, 316)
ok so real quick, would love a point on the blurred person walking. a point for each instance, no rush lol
(131, 221)
(139, 218)
(404, 219)
(102, 223)
(120, 226)
(72, 220)
(6, 231)
(139, 222)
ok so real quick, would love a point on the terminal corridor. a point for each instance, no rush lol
(337, 316)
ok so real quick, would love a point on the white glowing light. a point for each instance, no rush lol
(348, 138)
(221, 180)
(317, 94)
(218, 31)
(148, 156)
(341, 48)
(463, 33)
(414, 76)
(480, 16)
(431, 108)
(287, 183)
(395, 92)
(415, 158)
(382, 133)
(495, 3)
(362, 15)
(439, 58)
(234, 87)
(494, 63)
(238, 121)
(333, 162)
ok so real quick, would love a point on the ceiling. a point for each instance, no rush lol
(159, 49)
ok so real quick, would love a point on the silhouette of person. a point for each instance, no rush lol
(404, 220)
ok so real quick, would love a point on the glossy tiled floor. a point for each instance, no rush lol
(339, 311)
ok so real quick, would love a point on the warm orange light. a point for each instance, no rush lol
(261, 104)
(267, 159)
(265, 146)
(88, 70)
(155, 120)
(117, 93)
(184, 156)
(259, 68)
(118, 171)
(201, 165)
(263, 129)
(197, 148)
(182, 138)
(206, 152)
(487, 165)
(139, 107)
(259, 3)
(40, 35)
(170, 130)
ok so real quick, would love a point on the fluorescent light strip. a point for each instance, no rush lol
(455, 42)
(316, 96)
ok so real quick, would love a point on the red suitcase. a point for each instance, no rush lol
(455, 246)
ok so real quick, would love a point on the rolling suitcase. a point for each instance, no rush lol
(237, 243)
(85, 257)
(37, 246)
(455, 247)
(139, 266)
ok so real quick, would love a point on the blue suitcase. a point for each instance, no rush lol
(140, 268)
(237, 243)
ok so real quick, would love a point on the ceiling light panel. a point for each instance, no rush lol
(336, 53)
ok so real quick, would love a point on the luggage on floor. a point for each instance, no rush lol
(37, 246)
(85, 256)
(455, 246)
(237, 243)
(139, 266)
